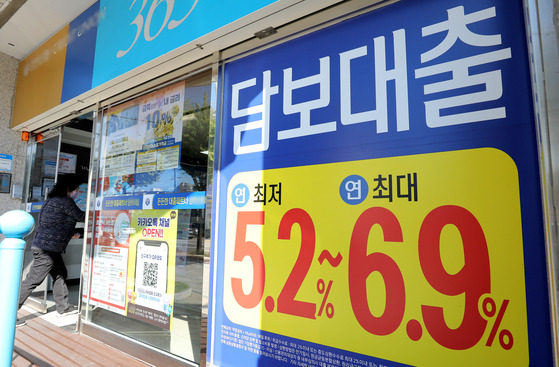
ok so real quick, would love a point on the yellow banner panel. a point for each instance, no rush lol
(39, 79)
(428, 268)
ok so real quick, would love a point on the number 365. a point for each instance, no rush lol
(145, 25)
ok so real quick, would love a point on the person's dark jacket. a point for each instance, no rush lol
(56, 224)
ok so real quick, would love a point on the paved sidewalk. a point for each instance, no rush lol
(48, 340)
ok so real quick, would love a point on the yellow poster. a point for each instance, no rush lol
(151, 267)
(394, 257)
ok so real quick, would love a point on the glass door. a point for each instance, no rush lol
(41, 171)
(148, 258)
(60, 151)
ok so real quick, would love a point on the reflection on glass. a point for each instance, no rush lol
(147, 258)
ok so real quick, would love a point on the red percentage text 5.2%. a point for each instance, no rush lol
(472, 281)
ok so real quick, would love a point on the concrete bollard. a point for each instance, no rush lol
(15, 225)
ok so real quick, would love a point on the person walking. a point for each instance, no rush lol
(55, 227)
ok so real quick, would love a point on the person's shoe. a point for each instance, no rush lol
(20, 322)
(69, 311)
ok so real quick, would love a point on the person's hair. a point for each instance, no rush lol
(65, 184)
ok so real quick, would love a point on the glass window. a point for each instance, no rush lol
(42, 166)
(146, 261)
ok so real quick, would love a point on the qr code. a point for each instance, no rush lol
(150, 274)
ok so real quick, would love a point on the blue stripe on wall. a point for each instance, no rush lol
(80, 53)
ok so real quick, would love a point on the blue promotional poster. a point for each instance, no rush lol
(377, 197)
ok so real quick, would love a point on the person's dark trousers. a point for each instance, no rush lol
(44, 263)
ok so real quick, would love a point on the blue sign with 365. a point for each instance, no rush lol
(131, 33)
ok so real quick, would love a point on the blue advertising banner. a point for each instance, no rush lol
(187, 200)
(380, 193)
(190, 200)
(133, 32)
(128, 202)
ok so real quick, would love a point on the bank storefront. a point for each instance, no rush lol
(313, 183)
